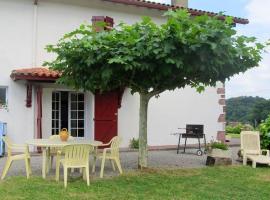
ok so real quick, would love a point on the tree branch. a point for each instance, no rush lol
(154, 93)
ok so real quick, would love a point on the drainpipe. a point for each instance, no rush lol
(35, 127)
(180, 3)
(34, 32)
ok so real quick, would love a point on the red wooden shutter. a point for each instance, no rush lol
(106, 116)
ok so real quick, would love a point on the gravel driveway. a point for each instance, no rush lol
(129, 160)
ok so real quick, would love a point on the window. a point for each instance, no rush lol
(68, 111)
(56, 112)
(77, 114)
(3, 96)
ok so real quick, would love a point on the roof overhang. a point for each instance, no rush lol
(39, 74)
(165, 7)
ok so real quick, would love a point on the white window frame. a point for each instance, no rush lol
(84, 116)
(59, 113)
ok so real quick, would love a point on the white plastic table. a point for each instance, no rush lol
(47, 143)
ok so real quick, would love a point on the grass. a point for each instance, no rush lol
(156, 184)
(234, 135)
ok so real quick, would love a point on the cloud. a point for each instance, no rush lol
(255, 82)
(258, 12)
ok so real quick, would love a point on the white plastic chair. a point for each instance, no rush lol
(52, 151)
(111, 154)
(75, 156)
(11, 147)
(251, 148)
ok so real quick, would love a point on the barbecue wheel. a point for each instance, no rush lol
(199, 152)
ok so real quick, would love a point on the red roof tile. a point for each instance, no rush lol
(162, 6)
(35, 73)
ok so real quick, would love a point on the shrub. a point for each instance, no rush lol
(134, 143)
(219, 145)
(234, 129)
(265, 133)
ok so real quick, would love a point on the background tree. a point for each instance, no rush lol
(260, 111)
(245, 109)
(149, 58)
(240, 109)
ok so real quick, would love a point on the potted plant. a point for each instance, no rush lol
(134, 144)
(218, 149)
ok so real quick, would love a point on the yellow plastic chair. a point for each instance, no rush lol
(111, 154)
(75, 156)
(52, 151)
(251, 148)
(10, 157)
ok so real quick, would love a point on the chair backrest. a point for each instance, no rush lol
(250, 142)
(78, 153)
(115, 143)
(8, 144)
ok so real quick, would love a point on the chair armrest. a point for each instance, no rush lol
(265, 150)
(102, 145)
(18, 146)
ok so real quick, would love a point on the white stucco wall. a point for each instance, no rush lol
(16, 51)
(172, 110)
(50, 20)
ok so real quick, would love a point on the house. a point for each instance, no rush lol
(34, 106)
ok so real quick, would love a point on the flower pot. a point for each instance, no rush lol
(64, 135)
(219, 153)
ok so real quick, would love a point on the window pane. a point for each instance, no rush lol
(53, 123)
(74, 115)
(57, 124)
(81, 106)
(73, 97)
(74, 106)
(53, 96)
(80, 123)
(57, 115)
(81, 115)
(57, 97)
(56, 106)
(53, 114)
(80, 97)
(80, 132)
(73, 132)
(73, 123)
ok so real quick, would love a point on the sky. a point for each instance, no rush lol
(256, 81)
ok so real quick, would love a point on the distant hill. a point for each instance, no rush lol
(247, 109)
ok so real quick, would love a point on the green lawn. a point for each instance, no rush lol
(207, 183)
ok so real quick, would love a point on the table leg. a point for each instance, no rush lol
(185, 145)
(44, 161)
(178, 147)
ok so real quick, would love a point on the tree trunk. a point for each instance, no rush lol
(143, 149)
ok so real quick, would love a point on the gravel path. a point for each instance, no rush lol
(129, 160)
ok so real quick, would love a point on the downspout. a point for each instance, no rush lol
(36, 108)
(34, 32)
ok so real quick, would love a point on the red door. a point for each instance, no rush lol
(106, 110)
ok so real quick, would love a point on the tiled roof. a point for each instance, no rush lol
(35, 73)
(162, 6)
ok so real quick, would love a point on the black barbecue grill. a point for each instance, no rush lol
(192, 131)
